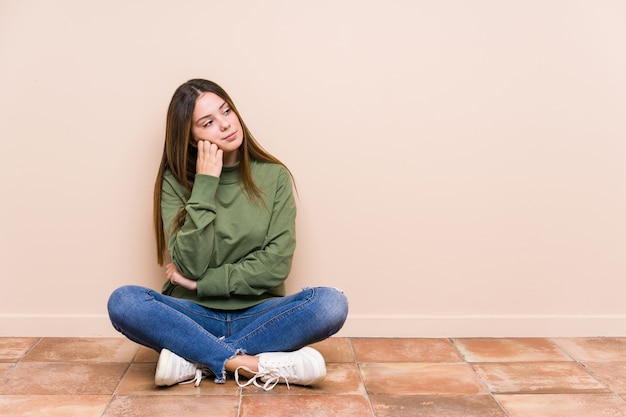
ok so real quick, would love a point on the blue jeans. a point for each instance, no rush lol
(212, 337)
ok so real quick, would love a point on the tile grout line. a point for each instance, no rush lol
(483, 383)
(584, 366)
(39, 340)
(19, 360)
(599, 380)
(117, 387)
(355, 361)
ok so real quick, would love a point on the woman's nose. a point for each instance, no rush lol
(224, 124)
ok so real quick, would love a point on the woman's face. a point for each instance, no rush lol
(214, 121)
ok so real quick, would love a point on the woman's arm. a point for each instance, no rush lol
(175, 277)
(190, 247)
(263, 269)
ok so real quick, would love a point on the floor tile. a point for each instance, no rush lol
(563, 405)
(62, 378)
(421, 378)
(404, 350)
(146, 355)
(509, 350)
(335, 349)
(139, 380)
(435, 406)
(612, 374)
(169, 406)
(341, 379)
(595, 349)
(382, 377)
(53, 405)
(73, 349)
(537, 377)
(12, 349)
(302, 405)
(5, 367)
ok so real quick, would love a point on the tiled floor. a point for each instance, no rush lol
(578, 377)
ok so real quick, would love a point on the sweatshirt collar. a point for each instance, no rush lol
(230, 174)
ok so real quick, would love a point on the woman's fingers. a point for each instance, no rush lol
(209, 160)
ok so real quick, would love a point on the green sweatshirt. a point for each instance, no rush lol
(239, 252)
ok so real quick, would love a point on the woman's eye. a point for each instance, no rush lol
(227, 111)
(207, 124)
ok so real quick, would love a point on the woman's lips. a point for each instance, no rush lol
(231, 136)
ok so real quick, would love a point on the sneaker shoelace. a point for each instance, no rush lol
(271, 376)
(199, 376)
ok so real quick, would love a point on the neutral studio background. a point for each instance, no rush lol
(460, 164)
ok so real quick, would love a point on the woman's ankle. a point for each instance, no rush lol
(246, 364)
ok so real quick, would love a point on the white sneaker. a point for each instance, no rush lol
(172, 369)
(302, 367)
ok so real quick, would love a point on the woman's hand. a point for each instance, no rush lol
(175, 277)
(210, 159)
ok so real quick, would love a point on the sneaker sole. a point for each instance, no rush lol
(160, 376)
(318, 359)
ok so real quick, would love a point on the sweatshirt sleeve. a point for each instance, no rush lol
(263, 269)
(191, 245)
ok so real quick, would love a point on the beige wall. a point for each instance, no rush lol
(460, 164)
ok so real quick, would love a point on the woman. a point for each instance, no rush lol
(224, 215)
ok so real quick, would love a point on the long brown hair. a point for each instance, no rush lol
(180, 154)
